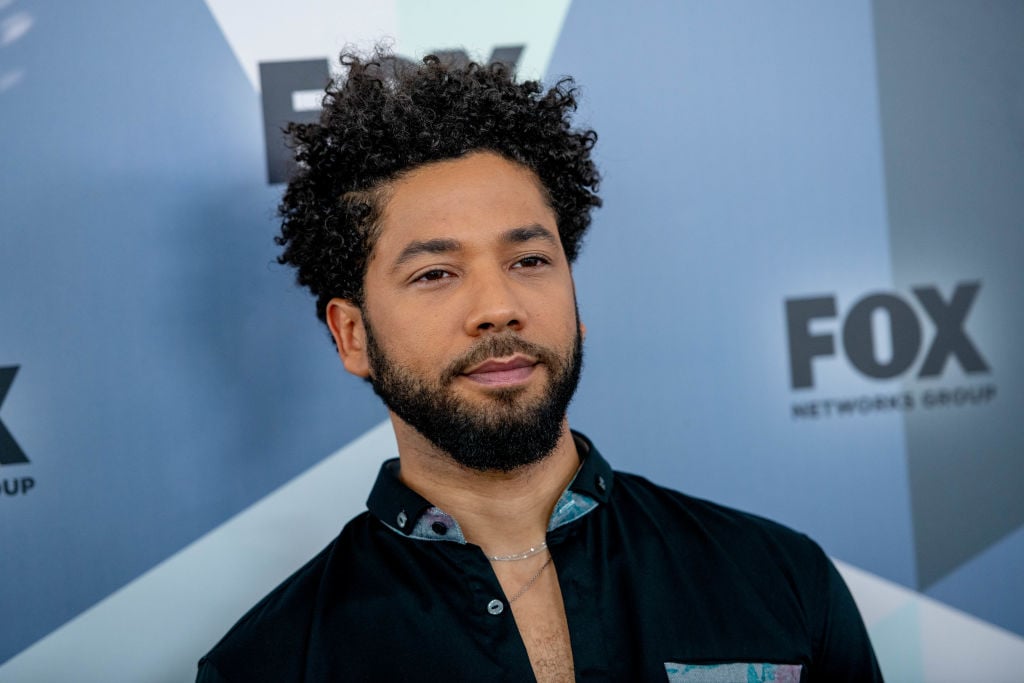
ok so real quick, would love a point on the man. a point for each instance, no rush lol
(435, 215)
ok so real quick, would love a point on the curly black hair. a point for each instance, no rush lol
(385, 117)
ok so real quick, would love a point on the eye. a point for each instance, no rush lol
(433, 275)
(531, 262)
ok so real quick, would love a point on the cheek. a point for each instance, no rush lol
(418, 335)
(567, 307)
(557, 322)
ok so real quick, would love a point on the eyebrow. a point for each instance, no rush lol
(527, 233)
(434, 246)
(443, 245)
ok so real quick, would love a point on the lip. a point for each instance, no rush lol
(502, 371)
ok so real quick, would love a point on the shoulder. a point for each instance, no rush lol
(269, 642)
(749, 565)
(737, 558)
(703, 520)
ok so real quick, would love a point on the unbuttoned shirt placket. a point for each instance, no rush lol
(488, 614)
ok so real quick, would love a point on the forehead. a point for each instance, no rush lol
(473, 198)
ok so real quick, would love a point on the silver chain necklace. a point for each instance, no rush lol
(529, 584)
(520, 556)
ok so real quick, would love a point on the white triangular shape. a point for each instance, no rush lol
(320, 29)
(954, 646)
(300, 29)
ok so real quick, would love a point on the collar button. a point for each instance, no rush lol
(402, 519)
(601, 486)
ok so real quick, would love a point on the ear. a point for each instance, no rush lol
(345, 321)
(583, 330)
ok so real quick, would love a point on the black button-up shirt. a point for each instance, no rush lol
(657, 586)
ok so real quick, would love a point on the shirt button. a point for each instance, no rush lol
(402, 519)
(495, 607)
(439, 528)
(601, 486)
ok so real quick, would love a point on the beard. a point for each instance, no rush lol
(501, 433)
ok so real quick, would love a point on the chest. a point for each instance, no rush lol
(539, 613)
(602, 610)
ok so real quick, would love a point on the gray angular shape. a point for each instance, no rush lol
(951, 85)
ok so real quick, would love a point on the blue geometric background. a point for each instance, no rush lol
(170, 374)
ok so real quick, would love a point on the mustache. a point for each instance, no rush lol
(496, 347)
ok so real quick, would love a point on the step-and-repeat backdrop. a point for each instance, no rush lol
(803, 299)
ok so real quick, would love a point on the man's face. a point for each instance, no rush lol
(471, 330)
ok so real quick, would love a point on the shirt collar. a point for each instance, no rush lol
(408, 513)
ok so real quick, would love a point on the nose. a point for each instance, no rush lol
(495, 306)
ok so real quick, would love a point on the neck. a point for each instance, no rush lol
(502, 512)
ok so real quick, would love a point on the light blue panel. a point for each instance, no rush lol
(741, 154)
(170, 373)
(897, 643)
